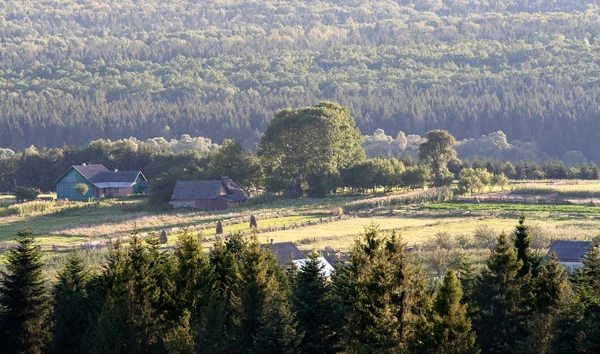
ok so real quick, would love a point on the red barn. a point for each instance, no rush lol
(218, 194)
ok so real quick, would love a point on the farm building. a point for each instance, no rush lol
(287, 252)
(100, 181)
(326, 267)
(284, 251)
(218, 194)
(570, 253)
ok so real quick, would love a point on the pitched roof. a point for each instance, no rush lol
(570, 251)
(209, 189)
(119, 176)
(189, 190)
(285, 252)
(89, 171)
(101, 177)
(233, 188)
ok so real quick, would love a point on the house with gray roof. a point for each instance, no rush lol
(285, 252)
(218, 194)
(101, 182)
(570, 253)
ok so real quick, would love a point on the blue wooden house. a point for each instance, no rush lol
(100, 181)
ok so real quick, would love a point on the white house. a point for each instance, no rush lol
(327, 269)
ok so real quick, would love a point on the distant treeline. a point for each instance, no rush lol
(200, 158)
(238, 299)
(76, 71)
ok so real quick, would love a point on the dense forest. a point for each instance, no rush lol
(74, 71)
(238, 299)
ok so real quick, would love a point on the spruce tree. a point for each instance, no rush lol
(179, 337)
(192, 285)
(523, 246)
(313, 310)
(550, 294)
(267, 323)
(383, 294)
(468, 281)
(131, 319)
(24, 299)
(70, 320)
(224, 306)
(498, 324)
(450, 325)
(577, 330)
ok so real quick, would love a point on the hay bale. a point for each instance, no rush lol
(253, 223)
(592, 204)
(163, 237)
(219, 227)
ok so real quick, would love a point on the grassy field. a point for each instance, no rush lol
(82, 222)
(513, 207)
(561, 188)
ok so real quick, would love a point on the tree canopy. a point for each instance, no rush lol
(298, 143)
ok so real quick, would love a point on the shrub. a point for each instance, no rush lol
(81, 188)
(24, 194)
(338, 211)
(485, 237)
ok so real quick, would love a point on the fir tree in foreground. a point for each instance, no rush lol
(382, 294)
(523, 246)
(498, 323)
(70, 318)
(550, 296)
(577, 330)
(24, 301)
(452, 333)
(312, 308)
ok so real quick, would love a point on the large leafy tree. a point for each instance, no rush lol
(24, 300)
(233, 161)
(437, 151)
(308, 141)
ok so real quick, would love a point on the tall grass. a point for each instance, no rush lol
(44, 207)
(562, 189)
(514, 207)
(426, 196)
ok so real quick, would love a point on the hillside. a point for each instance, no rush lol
(73, 71)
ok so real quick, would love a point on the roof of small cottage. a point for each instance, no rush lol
(285, 252)
(209, 189)
(570, 251)
(101, 177)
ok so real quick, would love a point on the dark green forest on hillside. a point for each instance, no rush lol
(74, 71)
